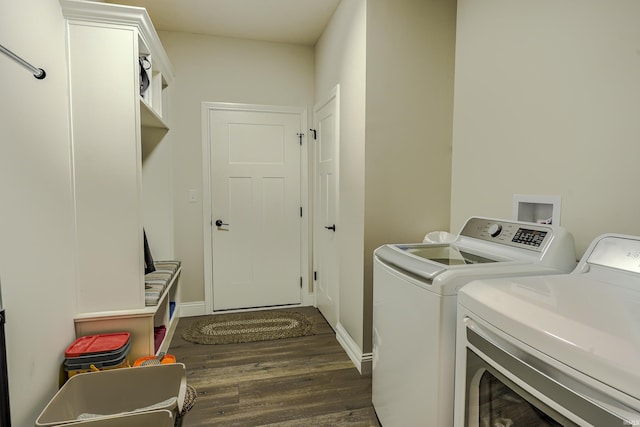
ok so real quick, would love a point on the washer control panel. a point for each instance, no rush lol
(523, 235)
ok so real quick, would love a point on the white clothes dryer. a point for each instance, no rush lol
(414, 309)
(560, 350)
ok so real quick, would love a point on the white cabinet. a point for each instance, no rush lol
(109, 121)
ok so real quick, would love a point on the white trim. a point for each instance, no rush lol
(306, 297)
(230, 106)
(190, 309)
(206, 209)
(197, 308)
(107, 13)
(334, 94)
(362, 361)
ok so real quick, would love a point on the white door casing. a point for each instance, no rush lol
(325, 195)
(254, 176)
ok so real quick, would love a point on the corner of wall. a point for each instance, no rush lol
(362, 361)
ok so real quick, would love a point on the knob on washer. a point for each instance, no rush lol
(494, 230)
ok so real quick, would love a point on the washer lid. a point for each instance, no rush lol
(399, 258)
(446, 254)
(428, 260)
(587, 323)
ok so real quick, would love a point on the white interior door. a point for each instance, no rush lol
(256, 208)
(325, 228)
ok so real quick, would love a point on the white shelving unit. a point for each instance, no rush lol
(110, 122)
(140, 323)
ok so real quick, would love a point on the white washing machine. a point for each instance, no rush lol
(414, 309)
(555, 350)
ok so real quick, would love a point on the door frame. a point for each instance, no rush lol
(333, 95)
(207, 226)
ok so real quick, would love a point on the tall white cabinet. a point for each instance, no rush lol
(110, 121)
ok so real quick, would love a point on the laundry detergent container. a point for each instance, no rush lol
(117, 393)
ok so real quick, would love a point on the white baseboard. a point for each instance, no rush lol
(188, 309)
(198, 308)
(362, 361)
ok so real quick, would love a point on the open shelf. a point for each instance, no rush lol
(140, 323)
(149, 118)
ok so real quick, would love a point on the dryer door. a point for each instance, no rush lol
(508, 387)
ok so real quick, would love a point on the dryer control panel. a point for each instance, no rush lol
(618, 251)
(513, 233)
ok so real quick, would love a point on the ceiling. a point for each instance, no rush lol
(284, 21)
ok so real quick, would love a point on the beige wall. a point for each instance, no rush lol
(216, 69)
(157, 200)
(37, 264)
(394, 63)
(37, 261)
(547, 101)
(410, 61)
(340, 59)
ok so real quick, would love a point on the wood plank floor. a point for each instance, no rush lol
(306, 381)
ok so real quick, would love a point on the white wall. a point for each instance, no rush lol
(547, 101)
(217, 69)
(410, 64)
(37, 261)
(341, 59)
(157, 200)
(394, 63)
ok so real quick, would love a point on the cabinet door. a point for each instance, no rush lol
(106, 159)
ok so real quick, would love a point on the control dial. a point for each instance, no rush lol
(494, 230)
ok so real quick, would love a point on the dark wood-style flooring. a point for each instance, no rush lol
(306, 381)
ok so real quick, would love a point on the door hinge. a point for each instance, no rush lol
(315, 276)
(300, 282)
(300, 135)
(300, 211)
(315, 133)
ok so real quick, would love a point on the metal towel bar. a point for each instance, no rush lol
(38, 73)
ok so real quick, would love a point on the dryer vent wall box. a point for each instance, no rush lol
(537, 209)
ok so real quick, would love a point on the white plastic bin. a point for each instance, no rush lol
(117, 393)
(161, 418)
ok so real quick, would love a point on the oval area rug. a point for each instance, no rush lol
(249, 327)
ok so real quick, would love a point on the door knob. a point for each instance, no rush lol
(331, 227)
(219, 223)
